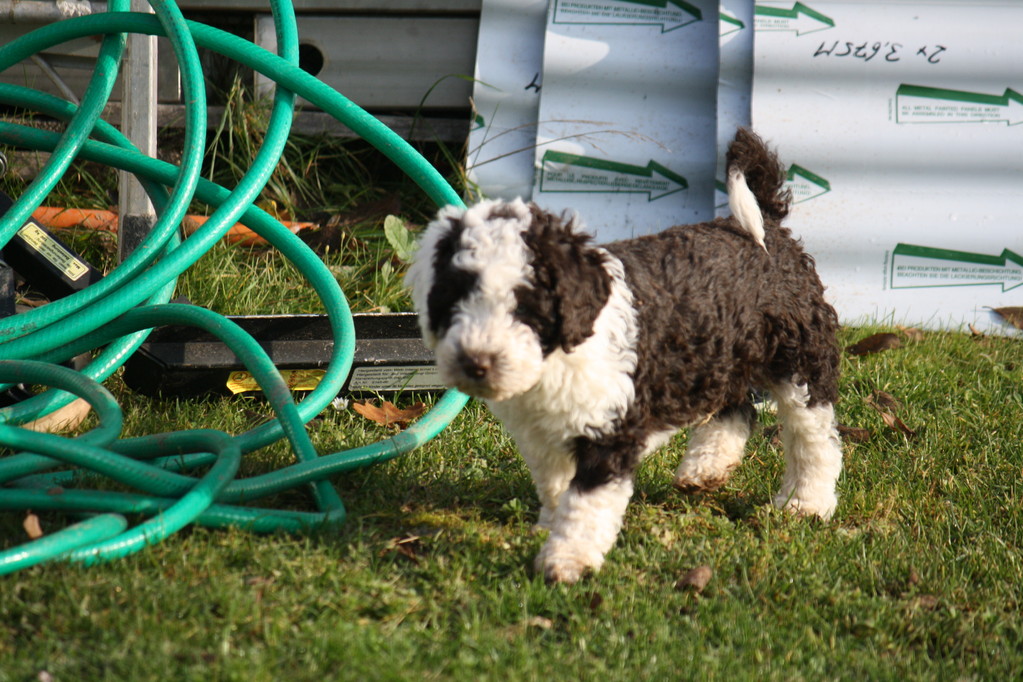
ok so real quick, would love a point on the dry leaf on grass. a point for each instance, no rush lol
(32, 527)
(924, 602)
(853, 434)
(911, 333)
(695, 580)
(894, 422)
(1013, 315)
(886, 405)
(406, 546)
(388, 413)
(885, 400)
(874, 344)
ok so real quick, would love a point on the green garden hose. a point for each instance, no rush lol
(116, 313)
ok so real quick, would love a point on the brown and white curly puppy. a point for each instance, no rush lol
(593, 356)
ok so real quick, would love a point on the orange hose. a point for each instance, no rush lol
(90, 218)
(101, 219)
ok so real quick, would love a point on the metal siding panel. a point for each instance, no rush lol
(626, 133)
(898, 123)
(383, 62)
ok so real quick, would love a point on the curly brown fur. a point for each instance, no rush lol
(565, 265)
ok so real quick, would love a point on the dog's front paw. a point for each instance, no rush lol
(822, 506)
(559, 562)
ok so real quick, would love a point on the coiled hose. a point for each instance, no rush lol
(117, 313)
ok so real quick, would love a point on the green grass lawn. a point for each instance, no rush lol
(918, 576)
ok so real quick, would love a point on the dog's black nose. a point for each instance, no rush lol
(476, 365)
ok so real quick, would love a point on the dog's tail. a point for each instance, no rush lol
(756, 181)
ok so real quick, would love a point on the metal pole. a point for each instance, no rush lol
(138, 122)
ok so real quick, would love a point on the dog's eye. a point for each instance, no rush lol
(525, 307)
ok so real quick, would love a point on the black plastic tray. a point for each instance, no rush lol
(187, 362)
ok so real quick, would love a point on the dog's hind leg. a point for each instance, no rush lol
(715, 448)
(813, 452)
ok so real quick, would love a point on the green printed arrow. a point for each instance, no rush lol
(800, 18)
(805, 184)
(921, 104)
(727, 25)
(668, 14)
(564, 172)
(923, 267)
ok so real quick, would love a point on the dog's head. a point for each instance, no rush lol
(499, 288)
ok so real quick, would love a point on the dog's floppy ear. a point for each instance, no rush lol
(435, 282)
(570, 284)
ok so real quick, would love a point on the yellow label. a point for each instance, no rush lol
(50, 249)
(297, 380)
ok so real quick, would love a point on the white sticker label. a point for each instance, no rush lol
(390, 378)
